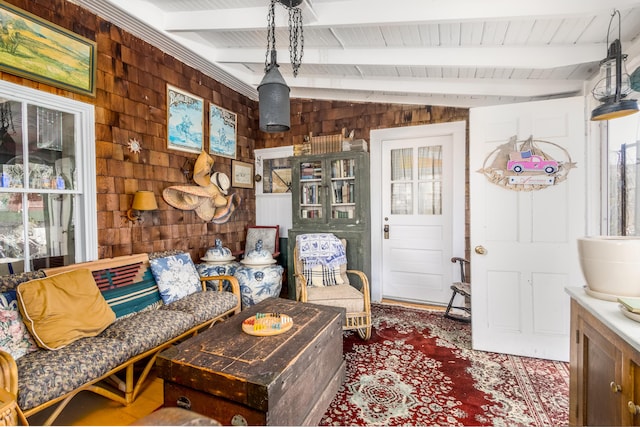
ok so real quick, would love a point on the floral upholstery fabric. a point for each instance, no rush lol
(226, 269)
(176, 277)
(163, 254)
(11, 281)
(44, 375)
(259, 283)
(14, 336)
(204, 305)
(149, 329)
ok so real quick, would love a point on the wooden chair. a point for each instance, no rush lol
(270, 236)
(352, 293)
(463, 287)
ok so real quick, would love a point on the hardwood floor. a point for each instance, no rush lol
(90, 409)
(413, 304)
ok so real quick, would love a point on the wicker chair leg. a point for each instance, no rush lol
(365, 333)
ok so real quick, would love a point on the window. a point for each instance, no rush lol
(47, 184)
(429, 180)
(623, 176)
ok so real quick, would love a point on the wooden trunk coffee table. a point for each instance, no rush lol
(237, 378)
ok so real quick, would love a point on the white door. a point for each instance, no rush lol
(273, 193)
(422, 207)
(519, 305)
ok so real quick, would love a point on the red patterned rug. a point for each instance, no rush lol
(418, 369)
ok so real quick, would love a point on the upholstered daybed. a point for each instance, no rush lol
(98, 326)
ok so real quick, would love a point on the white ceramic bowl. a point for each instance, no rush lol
(611, 265)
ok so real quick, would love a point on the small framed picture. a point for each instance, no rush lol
(241, 174)
(185, 120)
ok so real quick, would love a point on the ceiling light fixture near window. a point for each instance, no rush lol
(273, 92)
(613, 82)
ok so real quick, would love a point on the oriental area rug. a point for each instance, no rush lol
(418, 369)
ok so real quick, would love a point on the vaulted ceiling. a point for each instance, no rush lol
(438, 52)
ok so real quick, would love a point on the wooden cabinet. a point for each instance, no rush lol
(330, 194)
(605, 368)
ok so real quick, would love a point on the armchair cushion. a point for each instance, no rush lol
(176, 276)
(345, 296)
(63, 308)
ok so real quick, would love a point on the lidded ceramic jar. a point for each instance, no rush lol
(218, 253)
(258, 256)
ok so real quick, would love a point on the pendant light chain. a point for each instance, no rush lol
(269, 59)
(296, 39)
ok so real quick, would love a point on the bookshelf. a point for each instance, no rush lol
(330, 193)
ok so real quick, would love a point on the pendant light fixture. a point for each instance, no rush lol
(273, 92)
(613, 84)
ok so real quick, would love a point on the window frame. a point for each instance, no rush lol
(85, 213)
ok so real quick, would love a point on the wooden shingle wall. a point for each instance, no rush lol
(131, 103)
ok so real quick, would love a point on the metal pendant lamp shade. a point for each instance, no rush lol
(273, 99)
(613, 85)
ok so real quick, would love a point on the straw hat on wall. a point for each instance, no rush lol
(209, 198)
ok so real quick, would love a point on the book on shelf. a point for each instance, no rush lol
(631, 304)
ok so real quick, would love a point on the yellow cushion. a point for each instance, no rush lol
(62, 308)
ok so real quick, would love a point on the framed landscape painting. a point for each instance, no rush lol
(185, 120)
(39, 50)
(222, 131)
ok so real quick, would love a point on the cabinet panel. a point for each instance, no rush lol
(602, 384)
(605, 374)
(330, 194)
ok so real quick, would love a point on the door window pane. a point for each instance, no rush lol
(402, 164)
(402, 181)
(277, 176)
(401, 199)
(430, 198)
(430, 180)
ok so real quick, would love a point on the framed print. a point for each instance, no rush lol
(42, 51)
(185, 121)
(241, 174)
(222, 131)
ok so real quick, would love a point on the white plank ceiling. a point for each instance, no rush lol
(438, 52)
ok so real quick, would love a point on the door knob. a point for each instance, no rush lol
(615, 388)
(480, 250)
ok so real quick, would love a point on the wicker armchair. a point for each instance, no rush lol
(351, 293)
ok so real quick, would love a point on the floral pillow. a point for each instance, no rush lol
(176, 277)
(14, 336)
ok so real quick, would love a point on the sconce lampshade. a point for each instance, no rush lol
(273, 98)
(144, 201)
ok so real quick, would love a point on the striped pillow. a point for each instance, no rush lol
(128, 289)
(321, 275)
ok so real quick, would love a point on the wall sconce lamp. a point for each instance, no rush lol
(273, 92)
(142, 201)
(613, 84)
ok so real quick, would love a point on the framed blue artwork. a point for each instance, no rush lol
(223, 132)
(185, 121)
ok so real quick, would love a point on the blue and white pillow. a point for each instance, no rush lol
(15, 339)
(176, 277)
